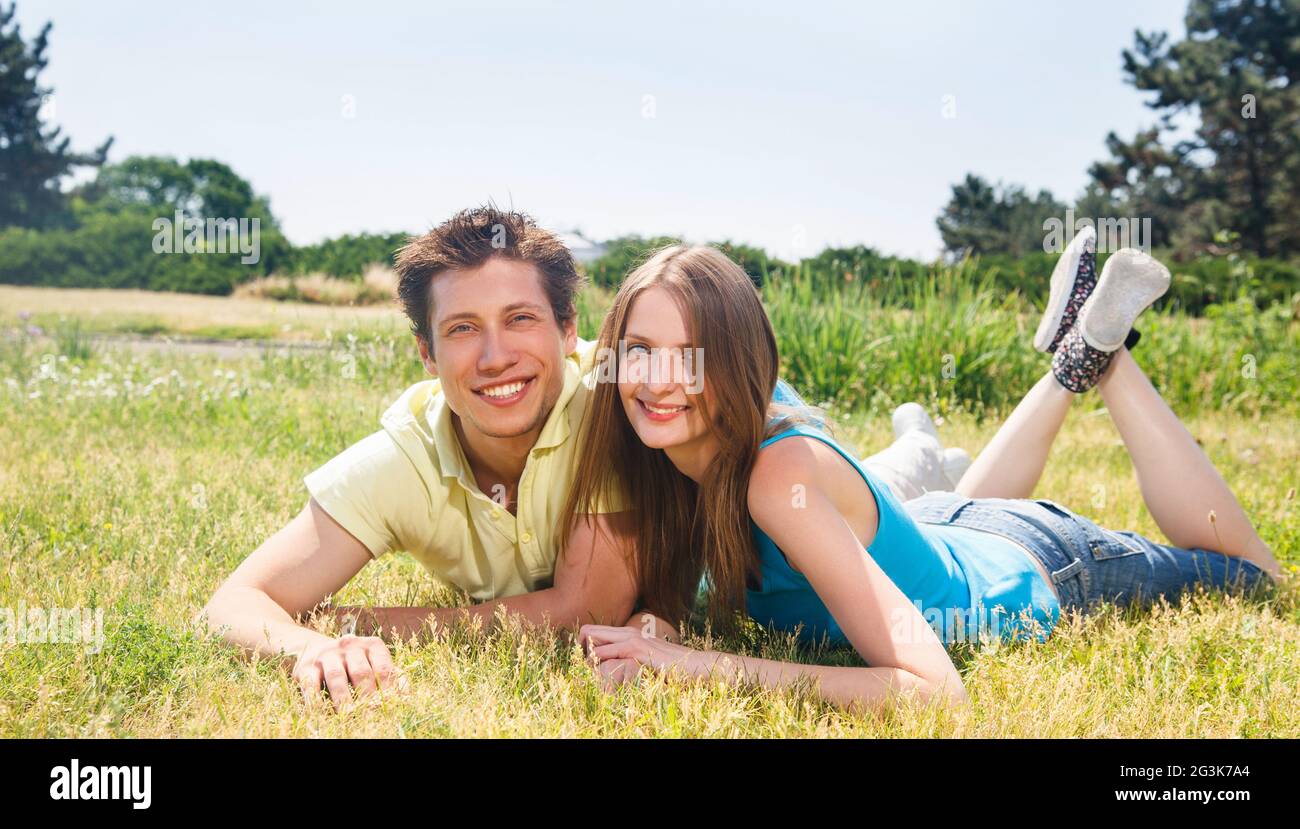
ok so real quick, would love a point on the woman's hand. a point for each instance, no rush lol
(625, 650)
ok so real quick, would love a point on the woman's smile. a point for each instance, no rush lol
(660, 413)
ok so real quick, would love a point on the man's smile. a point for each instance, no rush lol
(505, 393)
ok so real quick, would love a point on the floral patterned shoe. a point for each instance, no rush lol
(1073, 279)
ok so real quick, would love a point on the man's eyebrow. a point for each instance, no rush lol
(463, 315)
(512, 307)
(523, 306)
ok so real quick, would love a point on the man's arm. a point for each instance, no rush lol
(289, 575)
(593, 580)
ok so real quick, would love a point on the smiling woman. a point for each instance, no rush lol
(786, 526)
(631, 422)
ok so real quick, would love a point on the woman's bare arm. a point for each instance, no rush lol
(887, 630)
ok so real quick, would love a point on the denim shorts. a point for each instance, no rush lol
(1089, 564)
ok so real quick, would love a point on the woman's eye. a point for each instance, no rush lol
(636, 363)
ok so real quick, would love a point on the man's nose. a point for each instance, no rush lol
(496, 354)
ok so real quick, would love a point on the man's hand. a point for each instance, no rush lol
(344, 665)
(258, 608)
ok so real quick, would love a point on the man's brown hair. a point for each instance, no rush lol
(468, 240)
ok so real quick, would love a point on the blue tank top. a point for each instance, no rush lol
(959, 578)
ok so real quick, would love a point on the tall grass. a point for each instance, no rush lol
(951, 339)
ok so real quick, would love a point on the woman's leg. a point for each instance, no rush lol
(1186, 495)
(1012, 463)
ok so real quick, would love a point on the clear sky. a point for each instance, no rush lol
(788, 125)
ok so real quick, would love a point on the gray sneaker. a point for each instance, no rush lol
(1130, 282)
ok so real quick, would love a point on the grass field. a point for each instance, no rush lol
(135, 482)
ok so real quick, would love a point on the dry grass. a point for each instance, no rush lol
(377, 286)
(153, 313)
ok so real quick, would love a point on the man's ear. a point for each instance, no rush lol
(570, 336)
(426, 355)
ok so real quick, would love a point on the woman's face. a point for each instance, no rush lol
(661, 373)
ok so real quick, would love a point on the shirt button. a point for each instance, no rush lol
(496, 515)
(526, 537)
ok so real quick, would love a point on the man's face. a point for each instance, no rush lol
(497, 347)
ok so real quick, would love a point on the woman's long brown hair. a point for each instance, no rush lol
(684, 530)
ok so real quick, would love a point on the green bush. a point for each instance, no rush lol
(347, 256)
(115, 250)
(1197, 284)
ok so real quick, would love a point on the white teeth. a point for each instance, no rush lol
(658, 410)
(503, 391)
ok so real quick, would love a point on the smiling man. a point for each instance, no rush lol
(468, 473)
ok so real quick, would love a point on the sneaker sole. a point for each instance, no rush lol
(1063, 276)
(1129, 283)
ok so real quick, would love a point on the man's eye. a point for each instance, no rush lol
(458, 329)
(521, 317)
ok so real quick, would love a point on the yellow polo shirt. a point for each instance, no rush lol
(409, 487)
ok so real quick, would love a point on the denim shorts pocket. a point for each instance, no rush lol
(1107, 545)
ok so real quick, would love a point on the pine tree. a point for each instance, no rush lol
(34, 157)
(1238, 72)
